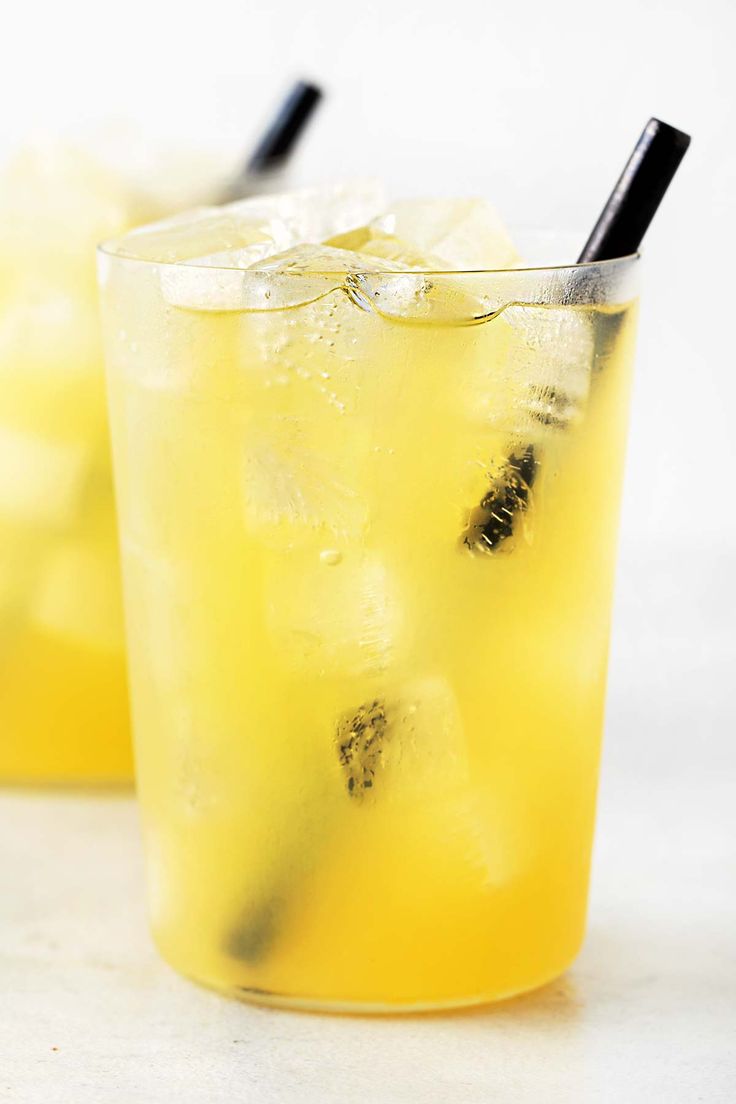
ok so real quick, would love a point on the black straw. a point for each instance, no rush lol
(277, 142)
(288, 125)
(633, 203)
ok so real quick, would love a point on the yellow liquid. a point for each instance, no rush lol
(64, 714)
(63, 694)
(367, 748)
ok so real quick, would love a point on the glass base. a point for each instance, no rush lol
(377, 1008)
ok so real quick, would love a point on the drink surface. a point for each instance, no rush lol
(368, 536)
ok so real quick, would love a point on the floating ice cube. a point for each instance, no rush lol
(196, 236)
(429, 747)
(461, 234)
(251, 279)
(324, 360)
(307, 273)
(527, 371)
(206, 256)
(78, 596)
(551, 360)
(315, 214)
(243, 233)
(341, 618)
(57, 204)
(41, 328)
(306, 259)
(41, 481)
(290, 487)
(373, 242)
(208, 288)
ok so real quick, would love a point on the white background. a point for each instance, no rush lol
(536, 105)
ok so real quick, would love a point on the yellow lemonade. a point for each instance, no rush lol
(63, 693)
(63, 698)
(368, 523)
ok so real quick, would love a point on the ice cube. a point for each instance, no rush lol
(408, 743)
(373, 242)
(307, 259)
(196, 236)
(408, 747)
(551, 360)
(41, 481)
(315, 214)
(326, 359)
(526, 372)
(253, 279)
(46, 329)
(308, 273)
(240, 234)
(57, 204)
(343, 618)
(291, 487)
(463, 234)
(78, 596)
(208, 288)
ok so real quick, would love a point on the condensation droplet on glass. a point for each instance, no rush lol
(330, 556)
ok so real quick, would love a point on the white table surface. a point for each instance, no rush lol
(90, 1015)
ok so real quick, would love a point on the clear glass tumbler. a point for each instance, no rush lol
(368, 530)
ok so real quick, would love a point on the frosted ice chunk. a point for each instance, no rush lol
(463, 234)
(290, 487)
(370, 241)
(217, 244)
(527, 371)
(78, 596)
(340, 618)
(208, 288)
(197, 235)
(296, 276)
(315, 214)
(552, 360)
(428, 739)
(417, 297)
(57, 203)
(41, 481)
(309, 272)
(306, 259)
(408, 743)
(280, 235)
(409, 747)
(264, 254)
(41, 328)
(239, 234)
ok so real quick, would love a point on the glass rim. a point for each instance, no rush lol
(107, 249)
